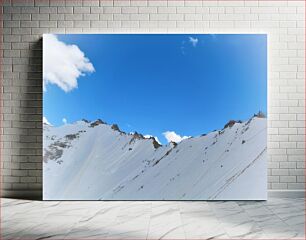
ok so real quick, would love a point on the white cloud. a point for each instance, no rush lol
(63, 64)
(149, 136)
(64, 120)
(193, 41)
(45, 121)
(171, 136)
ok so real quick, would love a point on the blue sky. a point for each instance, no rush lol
(190, 84)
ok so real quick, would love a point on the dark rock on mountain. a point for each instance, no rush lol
(231, 123)
(72, 136)
(96, 123)
(138, 136)
(260, 114)
(115, 127)
(155, 143)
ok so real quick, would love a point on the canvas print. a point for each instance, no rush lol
(154, 116)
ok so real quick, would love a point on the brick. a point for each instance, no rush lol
(91, 16)
(231, 3)
(176, 17)
(167, 24)
(221, 24)
(138, 3)
(11, 9)
(140, 17)
(96, 10)
(41, 3)
(21, 17)
(287, 165)
(216, 10)
(184, 24)
(65, 10)
(195, 3)
(166, 10)
(11, 179)
(160, 17)
(229, 17)
(277, 186)
(23, 3)
(129, 10)
(76, 16)
(300, 165)
(37, 31)
(98, 24)
(280, 172)
(73, 3)
(147, 9)
(81, 10)
(296, 172)
(296, 186)
(28, 179)
(130, 24)
(19, 173)
(29, 10)
(149, 24)
(287, 179)
(48, 10)
(273, 179)
(112, 10)
(82, 24)
(40, 16)
(57, 17)
(193, 17)
(157, 3)
(21, 31)
(121, 17)
(91, 3)
(122, 3)
(29, 24)
(60, 3)
(300, 179)
(202, 10)
(185, 10)
(47, 24)
(105, 17)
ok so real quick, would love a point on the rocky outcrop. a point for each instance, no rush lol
(260, 114)
(115, 127)
(155, 143)
(96, 123)
(231, 123)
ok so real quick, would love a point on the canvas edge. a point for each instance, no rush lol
(37, 194)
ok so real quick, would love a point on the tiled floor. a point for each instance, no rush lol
(274, 219)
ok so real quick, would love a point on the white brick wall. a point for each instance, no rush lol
(24, 21)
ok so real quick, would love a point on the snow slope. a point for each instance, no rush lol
(96, 161)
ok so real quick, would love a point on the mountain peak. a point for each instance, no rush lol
(137, 135)
(115, 127)
(231, 123)
(260, 114)
(173, 144)
(96, 123)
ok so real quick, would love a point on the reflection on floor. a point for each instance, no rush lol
(274, 219)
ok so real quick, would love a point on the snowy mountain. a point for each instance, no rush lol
(96, 161)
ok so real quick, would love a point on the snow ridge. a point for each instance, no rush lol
(96, 161)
